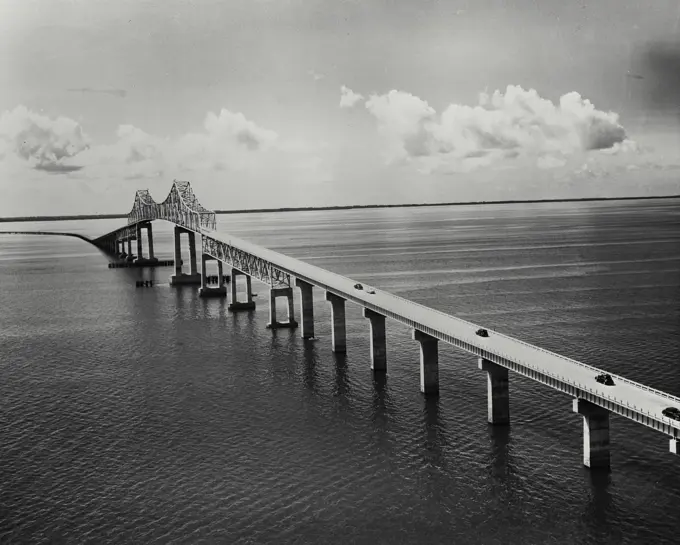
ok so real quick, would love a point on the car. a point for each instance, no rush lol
(605, 379)
(672, 412)
(482, 333)
(370, 291)
(358, 287)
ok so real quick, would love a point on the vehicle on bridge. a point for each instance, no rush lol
(605, 379)
(482, 333)
(672, 412)
(367, 289)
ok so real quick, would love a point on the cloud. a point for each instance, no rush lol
(549, 161)
(229, 143)
(42, 142)
(349, 98)
(315, 75)
(228, 126)
(122, 93)
(58, 169)
(502, 126)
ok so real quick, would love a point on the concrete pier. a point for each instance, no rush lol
(130, 255)
(498, 395)
(139, 241)
(149, 238)
(286, 292)
(235, 304)
(306, 308)
(429, 362)
(150, 259)
(595, 434)
(180, 278)
(207, 291)
(378, 341)
(675, 445)
(338, 326)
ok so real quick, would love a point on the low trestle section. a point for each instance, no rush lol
(589, 401)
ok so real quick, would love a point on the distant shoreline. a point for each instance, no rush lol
(346, 207)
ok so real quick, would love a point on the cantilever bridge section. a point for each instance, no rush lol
(497, 353)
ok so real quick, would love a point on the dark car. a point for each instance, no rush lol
(605, 379)
(672, 412)
(358, 287)
(482, 333)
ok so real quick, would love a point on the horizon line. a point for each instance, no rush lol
(65, 217)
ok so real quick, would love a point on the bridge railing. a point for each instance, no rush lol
(457, 339)
(566, 380)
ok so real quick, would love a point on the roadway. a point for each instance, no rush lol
(626, 398)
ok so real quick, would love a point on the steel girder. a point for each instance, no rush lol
(255, 266)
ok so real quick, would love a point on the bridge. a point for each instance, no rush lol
(497, 354)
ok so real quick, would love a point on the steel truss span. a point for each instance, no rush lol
(251, 264)
(180, 207)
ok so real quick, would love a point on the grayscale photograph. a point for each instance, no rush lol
(372, 272)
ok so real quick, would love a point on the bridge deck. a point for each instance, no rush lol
(626, 398)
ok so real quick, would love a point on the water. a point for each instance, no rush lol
(152, 416)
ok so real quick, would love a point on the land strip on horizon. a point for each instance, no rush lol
(344, 207)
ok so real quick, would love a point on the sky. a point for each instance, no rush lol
(278, 103)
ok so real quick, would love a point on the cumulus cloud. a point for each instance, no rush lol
(349, 98)
(504, 125)
(229, 142)
(42, 142)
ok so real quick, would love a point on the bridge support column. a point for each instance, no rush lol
(429, 362)
(498, 396)
(207, 291)
(595, 434)
(192, 253)
(675, 445)
(378, 341)
(122, 253)
(149, 238)
(306, 308)
(139, 242)
(248, 304)
(338, 329)
(179, 278)
(288, 294)
(140, 252)
(130, 255)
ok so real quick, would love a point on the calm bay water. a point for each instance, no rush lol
(152, 416)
